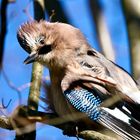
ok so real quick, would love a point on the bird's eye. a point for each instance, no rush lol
(42, 42)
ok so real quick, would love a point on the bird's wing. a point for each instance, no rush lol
(94, 69)
(89, 103)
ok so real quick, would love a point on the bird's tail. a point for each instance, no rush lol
(123, 129)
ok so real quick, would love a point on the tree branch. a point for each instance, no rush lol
(37, 70)
(94, 135)
(25, 123)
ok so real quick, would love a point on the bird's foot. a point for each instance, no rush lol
(71, 129)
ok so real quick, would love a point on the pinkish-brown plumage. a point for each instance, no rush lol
(65, 51)
(69, 49)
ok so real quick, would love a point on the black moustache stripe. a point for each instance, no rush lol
(45, 49)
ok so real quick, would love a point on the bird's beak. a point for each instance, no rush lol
(31, 58)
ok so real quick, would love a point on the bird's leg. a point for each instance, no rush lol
(77, 132)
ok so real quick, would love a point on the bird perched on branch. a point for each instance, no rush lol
(82, 79)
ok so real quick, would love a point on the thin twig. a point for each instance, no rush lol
(5, 106)
(26, 11)
(12, 86)
(52, 15)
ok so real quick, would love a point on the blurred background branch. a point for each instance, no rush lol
(3, 29)
(104, 39)
(132, 15)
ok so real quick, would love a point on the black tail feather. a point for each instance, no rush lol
(135, 113)
(123, 129)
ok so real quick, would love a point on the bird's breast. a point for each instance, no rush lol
(61, 105)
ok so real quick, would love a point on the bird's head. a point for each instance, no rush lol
(50, 43)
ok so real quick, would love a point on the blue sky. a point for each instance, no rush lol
(79, 15)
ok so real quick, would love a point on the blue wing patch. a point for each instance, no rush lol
(85, 102)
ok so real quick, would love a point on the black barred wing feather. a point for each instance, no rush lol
(84, 101)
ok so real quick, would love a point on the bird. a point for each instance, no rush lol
(82, 79)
